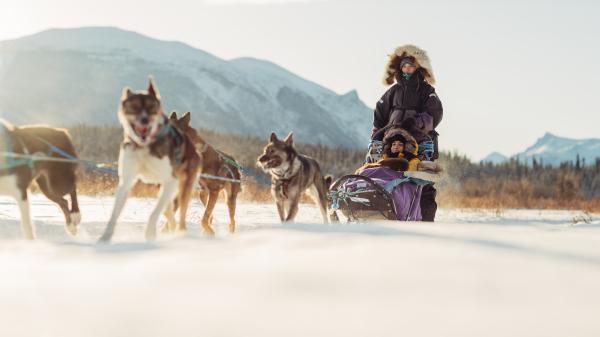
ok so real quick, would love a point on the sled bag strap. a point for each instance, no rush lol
(392, 184)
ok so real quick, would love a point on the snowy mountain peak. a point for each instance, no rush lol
(78, 38)
(351, 96)
(108, 41)
(495, 158)
(549, 135)
(86, 68)
(553, 149)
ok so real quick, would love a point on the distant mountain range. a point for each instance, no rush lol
(495, 158)
(69, 76)
(553, 150)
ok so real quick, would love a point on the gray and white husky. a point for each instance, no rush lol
(157, 152)
(291, 175)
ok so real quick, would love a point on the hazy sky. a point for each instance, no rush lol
(507, 71)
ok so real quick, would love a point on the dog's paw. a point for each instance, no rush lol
(208, 231)
(150, 235)
(75, 218)
(71, 229)
(104, 239)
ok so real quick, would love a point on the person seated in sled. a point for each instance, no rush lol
(400, 152)
(399, 172)
(412, 98)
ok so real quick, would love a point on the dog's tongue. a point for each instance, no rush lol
(142, 131)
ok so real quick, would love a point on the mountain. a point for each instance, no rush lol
(553, 150)
(495, 158)
(69, 76)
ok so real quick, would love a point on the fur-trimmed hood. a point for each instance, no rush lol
(410, 144)
(411, 147)
(420, 56)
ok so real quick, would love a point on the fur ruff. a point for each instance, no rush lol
(421, 57)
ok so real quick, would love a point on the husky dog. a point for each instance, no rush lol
(216, 164)
(291, 175)
(156, 152)
(54, 178)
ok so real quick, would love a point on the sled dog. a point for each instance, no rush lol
(54, 178)
(157, 152)
(214, 164)
(292, 174)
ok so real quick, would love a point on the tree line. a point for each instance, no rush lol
(513, 184)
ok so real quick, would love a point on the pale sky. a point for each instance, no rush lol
(507, 71)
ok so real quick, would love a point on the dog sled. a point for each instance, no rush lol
(384, 189)
(379, 194)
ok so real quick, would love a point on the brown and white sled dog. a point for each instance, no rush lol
(156, 152)
(55, 179)
(218, 165)
(291, 175)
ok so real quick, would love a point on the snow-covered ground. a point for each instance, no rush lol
(473, 273)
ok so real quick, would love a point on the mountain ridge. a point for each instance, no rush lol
(75, 75)
(553, 150)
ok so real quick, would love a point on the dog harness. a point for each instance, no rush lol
(176, 136)
(283, 184)
(225, 167)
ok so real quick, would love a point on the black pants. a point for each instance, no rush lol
(428, 204)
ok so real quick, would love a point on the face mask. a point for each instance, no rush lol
(406, 76)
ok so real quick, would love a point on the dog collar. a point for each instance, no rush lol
(282, 176)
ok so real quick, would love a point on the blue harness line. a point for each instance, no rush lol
(87, 163)
(210, 176)
(8, 161)
(235, 164)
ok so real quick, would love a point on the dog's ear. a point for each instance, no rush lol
(173, 116)
(126, 93)
(289, 140)
(186, 118)
(273, 138)
(152, 88)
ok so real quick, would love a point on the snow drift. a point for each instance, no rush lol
(474, 273)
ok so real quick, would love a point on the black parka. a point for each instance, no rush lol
(404, 100)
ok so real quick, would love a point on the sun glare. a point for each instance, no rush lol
(16, 20)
